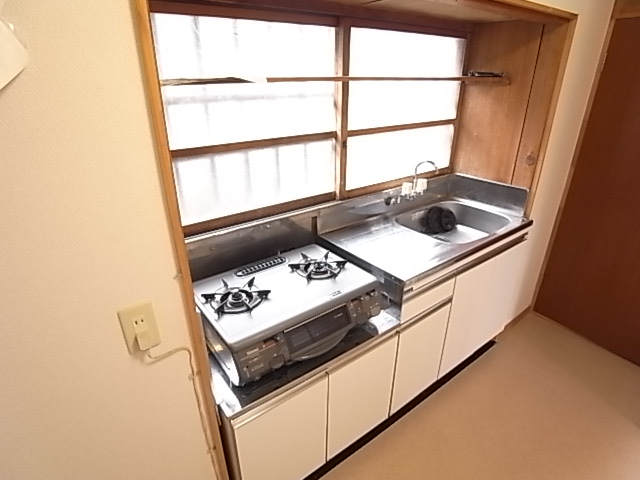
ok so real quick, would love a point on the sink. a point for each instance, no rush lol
(473, 223)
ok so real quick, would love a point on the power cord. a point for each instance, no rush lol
(192, 378)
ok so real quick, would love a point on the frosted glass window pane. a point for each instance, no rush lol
(387, 156)
(376, 53)
(216, 114)
(191, 47)
(212, 186)
(203, 47)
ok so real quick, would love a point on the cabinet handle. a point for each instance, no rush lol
(429, 286)
(494, 253)
(346, 358)
(427, 313)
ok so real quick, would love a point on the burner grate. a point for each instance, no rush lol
(318, 269)
(233, 300)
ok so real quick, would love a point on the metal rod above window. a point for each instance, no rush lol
(497, 79)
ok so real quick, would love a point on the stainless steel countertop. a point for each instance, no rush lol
(408, 255)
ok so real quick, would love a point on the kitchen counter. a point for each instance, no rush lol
(365, 231)
(407, 255)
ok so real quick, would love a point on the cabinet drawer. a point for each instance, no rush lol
(424, 301)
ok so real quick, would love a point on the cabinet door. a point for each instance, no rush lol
(286, 442)
(467, 329)
(507, 285)
(419, 354)
(485, 299)
(359, 396)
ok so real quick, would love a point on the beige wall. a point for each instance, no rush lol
(593, 21)
(84, 233)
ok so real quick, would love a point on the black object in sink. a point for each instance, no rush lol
(438, 220)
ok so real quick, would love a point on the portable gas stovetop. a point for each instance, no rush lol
(284, 309)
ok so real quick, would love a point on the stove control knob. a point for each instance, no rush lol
(277, 362)
(375, 311)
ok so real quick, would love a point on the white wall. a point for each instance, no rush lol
(593, 21)
(84, 233)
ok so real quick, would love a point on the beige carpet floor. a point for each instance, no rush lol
(544, 403)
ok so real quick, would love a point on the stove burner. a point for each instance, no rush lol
(233, 300)
(318, 269)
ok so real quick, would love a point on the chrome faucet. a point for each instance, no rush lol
(415, 173)
(392, 200)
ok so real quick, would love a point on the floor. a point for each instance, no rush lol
(544, 403)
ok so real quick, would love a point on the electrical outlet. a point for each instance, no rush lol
(139, 327)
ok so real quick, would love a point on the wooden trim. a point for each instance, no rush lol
(626, 9)
(551, 14)
(629, 12)
(461, 31)
(469, 79)
(258, 213)
(225, 10)
(194, 325)
(453, 159)
(320, 11)
(398, 128)
(357, 192)
(251, 144)
(280, 8)
(343, 42)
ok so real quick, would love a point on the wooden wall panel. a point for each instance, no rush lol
(592, 278)
(539, 111)
(492, 118)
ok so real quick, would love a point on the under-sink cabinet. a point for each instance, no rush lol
(486, 298)
(287, 439)
(359, 396)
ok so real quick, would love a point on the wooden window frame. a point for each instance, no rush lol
(343, 25)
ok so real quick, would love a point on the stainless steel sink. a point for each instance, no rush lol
(473, 223)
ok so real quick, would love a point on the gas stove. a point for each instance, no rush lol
(284, 309)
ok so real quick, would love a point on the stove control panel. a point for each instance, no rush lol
(364, 307)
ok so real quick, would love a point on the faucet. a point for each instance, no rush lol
(415, 173)
(411, 195)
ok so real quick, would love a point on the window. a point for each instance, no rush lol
(378, 157)
(245, 149)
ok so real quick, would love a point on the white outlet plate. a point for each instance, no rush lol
(139, 327)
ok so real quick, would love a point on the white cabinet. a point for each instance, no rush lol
(359, 396)
(508, 282)
(287, 441)
(485, 299)
(419, 352)
(467, 330)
